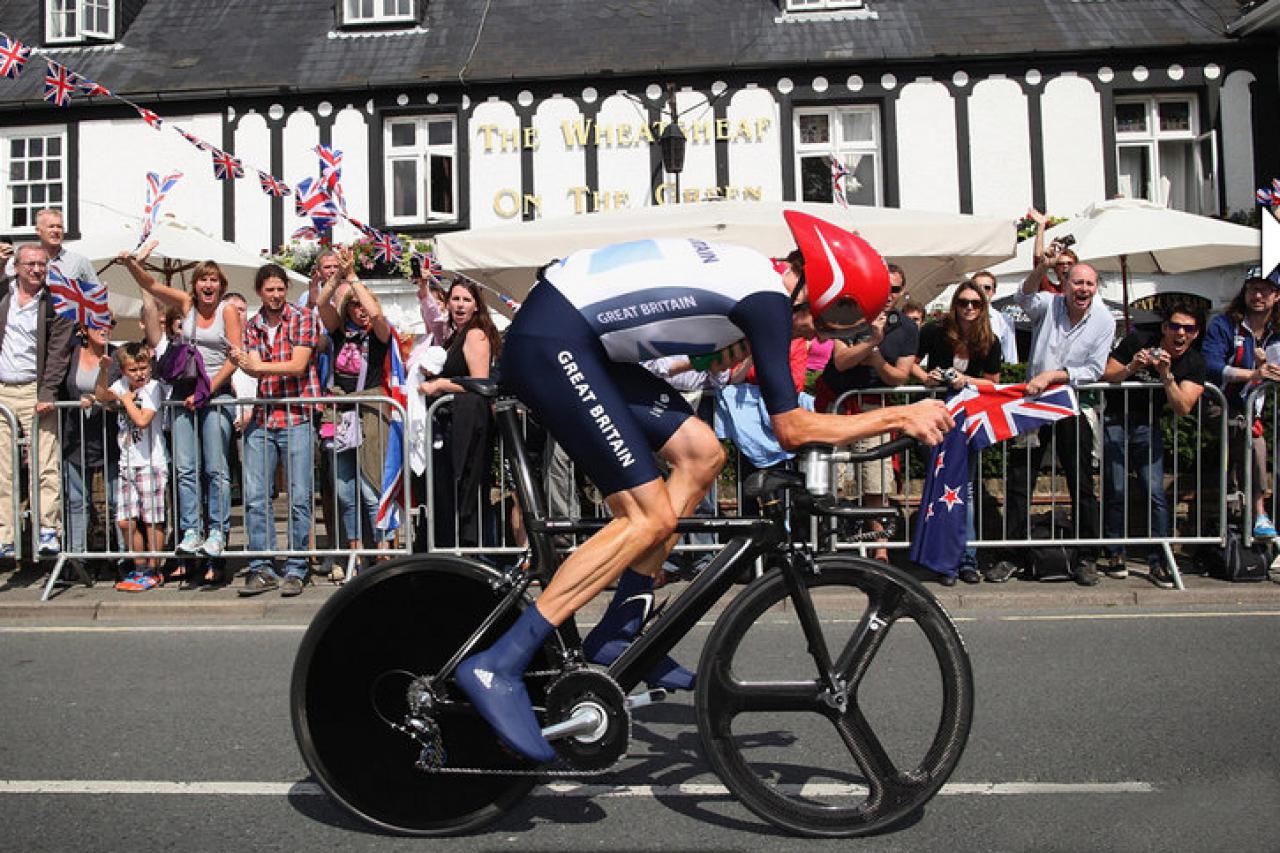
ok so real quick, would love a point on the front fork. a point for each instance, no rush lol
(796, 563)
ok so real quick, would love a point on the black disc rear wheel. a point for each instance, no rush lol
(779, 740)
(403, 619)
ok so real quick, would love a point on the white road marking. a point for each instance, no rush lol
(119, 787)
(1203, 614)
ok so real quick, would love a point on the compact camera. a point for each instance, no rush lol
(1156, 353)
(949, 375)
(1066, 241)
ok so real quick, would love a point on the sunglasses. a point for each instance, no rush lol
(968, 303)
(895, 288)
(1189, 328)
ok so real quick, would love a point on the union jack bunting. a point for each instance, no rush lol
(312, 202)
(306, 232)
(59, 83)
(1265, 197)
(13, 56)
(331, 174)
(194, 140)
(90, 88)
(157, 189)
(273, 186)
(226, 167)
(82, 301)
(429, 265)
(838, 174)
(150, 117)
(387, 249)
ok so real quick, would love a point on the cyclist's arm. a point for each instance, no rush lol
(926, 421)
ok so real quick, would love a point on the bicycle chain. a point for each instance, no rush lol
(890, 529)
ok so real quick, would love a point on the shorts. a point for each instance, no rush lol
(142, 494)
(867, 478)
(609, 416)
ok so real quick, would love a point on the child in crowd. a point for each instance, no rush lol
(144, 463)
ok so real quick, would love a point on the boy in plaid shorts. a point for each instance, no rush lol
(144, 462)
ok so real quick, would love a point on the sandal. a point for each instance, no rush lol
(212, 579)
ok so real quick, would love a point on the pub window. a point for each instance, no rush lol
(421, 174)
(34, 159)
(77, 20)
(377, 11)
(851, 134)
(1162, 155)
(820, 5)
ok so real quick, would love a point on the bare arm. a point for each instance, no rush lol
(475, 349)
(152, 321)
(294, 366)
(141, 417)
(1042, 223)
(101, 391)
(373, 308)
(926, 421)
(148, 283)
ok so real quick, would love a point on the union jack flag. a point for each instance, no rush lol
(82, 301)
(226, 167)
(13, 56)
(59, 83)
(386, 248)
(431, 268)
(983, 417)
(993, 414)
(1265, 197)
(90, 88)
(311, 201)
(503, 298)
(395, 383)
(194, 140)
(157, 189)
(306, 232)
(331, 174)
(150, 117)
(273, 186)
(838, 174)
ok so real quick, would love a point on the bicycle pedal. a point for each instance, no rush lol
(645, 697)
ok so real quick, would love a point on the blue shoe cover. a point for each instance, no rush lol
(618, 627)
(493, 681)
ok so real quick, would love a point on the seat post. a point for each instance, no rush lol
(532, 505)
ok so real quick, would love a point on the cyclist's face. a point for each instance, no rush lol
(462, 305)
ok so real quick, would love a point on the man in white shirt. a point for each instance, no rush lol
(50, 231)
(35, 349)
(1000, 325)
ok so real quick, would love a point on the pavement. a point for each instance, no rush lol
(20, 599)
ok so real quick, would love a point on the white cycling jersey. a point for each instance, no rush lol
(652, 298)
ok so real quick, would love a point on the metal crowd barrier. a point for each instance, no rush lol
(1263, 402)
(323, 456)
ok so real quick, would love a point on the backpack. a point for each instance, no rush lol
(1237, 563)
(1050, 561)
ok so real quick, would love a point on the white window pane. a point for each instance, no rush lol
(815, 179)
(55, 193)
(1131, 118)
(35, 171)
(441, 184)
(404, 188)
(1175, 116)
(860, 185)
(404, 134)
(35, 147)
(440, 132)
(1134, 172)
(54, 146)
(1178, 176)
(17, 147)
(815, 129)
(17, 171)
(858, 126)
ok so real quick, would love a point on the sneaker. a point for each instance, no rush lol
(1263, 528)
(258, 582)
(49, 544)
(190, 543)
(146, 581)
(1086, 573)
(213, 544)
(1161, 576)
(291, 586)
(1000, 572)
(947, 580)
(970, 575)
(1116, 567)
(129, 583)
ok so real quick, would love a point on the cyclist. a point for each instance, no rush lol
(572, 356)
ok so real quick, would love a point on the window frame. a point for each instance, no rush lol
(420, 153)
(377, 19)
(7, 135)
(838, 146)
(82, 32)
(793, 7)
(1205, 190)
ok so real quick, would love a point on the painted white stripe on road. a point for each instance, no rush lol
(152, 629)
(1203, 614)
(107, 787)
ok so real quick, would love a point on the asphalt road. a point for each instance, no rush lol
(1094, 730)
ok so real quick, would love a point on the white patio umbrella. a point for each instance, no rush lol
(933, 249)
(181, 247)
(1134, 236)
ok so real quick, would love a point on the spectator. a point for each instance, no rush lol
(915, 311)
(89, 441)
(471, 347)
(201, 427)
(1131, 426)
(1063, 257)
(50, 233)
(1231, 347)
(35, 350)
(1073, 334)
(359, 334)
(278, 345)
(963, 344)
(883, 359)
(1000, 325)
(144, 463)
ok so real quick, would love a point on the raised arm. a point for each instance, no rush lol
(433, 316)
(133, 262)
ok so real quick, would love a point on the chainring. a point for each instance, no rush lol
(593, 688)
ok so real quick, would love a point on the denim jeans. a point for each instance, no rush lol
(79, 508)
(202, 440)
(1146, 457)
(969, 560)
(356, 493)
(264, 448)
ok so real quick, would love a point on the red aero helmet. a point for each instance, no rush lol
(839, 267)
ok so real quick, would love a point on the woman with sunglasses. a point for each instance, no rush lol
(957, 351)
(89, 445)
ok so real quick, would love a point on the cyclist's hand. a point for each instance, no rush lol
(927, 421)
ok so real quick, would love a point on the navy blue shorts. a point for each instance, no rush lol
(609, 416)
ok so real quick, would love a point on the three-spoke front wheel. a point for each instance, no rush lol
(843, 762)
